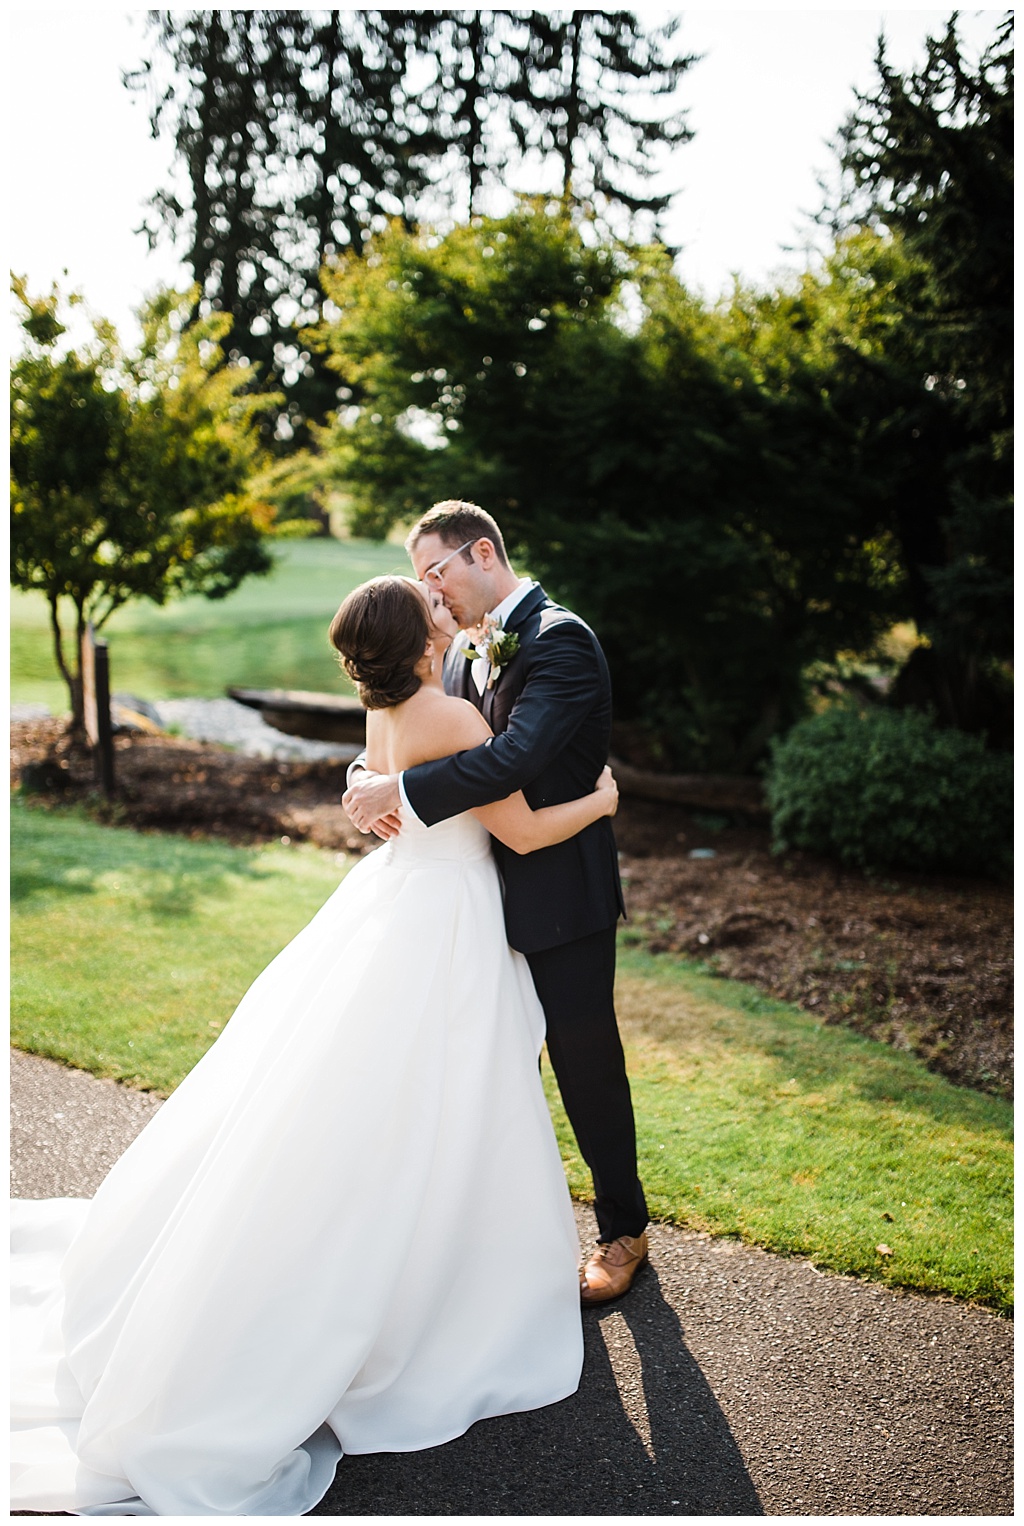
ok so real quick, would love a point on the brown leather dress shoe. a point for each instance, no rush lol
(611, 1268)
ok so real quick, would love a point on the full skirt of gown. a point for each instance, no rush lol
(301, 1254)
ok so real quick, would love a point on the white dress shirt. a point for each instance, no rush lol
(481, 668)
(480, 671)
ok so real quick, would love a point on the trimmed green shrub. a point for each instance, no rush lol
(887, 789)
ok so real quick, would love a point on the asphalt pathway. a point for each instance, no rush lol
(729, 1382)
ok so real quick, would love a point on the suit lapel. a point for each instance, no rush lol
(490, 695)
(487, 704)
(526, 606)
(522, 612)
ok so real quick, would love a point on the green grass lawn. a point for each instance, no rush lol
(755, 1120)
(270, 633)
(130, 951)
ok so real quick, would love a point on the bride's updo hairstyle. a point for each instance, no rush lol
(379, 633)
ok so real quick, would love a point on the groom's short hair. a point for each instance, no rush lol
(456, 522)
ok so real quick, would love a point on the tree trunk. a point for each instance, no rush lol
(474, 97)
(73, 682)
(575, 27)
(78, 692)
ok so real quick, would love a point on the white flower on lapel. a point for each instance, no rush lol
(494, 643)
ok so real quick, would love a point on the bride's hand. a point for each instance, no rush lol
(607, 786)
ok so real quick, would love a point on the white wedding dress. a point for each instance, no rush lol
(304, 1253)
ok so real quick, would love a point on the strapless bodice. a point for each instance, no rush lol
(458, 838)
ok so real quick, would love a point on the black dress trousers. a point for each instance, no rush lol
(575, 983)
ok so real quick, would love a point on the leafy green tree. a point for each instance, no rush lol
(928, 160)
(683, 483)
(129, 471)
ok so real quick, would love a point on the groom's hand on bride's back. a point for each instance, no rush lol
(371, 803)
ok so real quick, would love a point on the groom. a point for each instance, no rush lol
(542, 685)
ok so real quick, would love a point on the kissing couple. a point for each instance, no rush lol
(348, 1229)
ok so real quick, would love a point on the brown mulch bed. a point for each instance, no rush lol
(921, 962)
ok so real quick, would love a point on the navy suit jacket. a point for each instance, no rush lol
(551, 712)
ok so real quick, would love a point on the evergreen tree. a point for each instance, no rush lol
(296, 137)
(928, 157)
(588, 66)
(555, 86)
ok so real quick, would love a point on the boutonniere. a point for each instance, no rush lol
(493, 642)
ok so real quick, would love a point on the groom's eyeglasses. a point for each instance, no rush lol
(434, 576)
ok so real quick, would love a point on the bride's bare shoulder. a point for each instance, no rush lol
(428, 726)
(454, 722)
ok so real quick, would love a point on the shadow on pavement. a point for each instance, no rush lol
(644, 1435)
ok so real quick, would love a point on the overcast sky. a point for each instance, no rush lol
(771, 90)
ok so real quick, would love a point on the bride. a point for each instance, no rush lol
(299, 1255)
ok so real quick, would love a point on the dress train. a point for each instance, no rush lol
(298, 1257)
